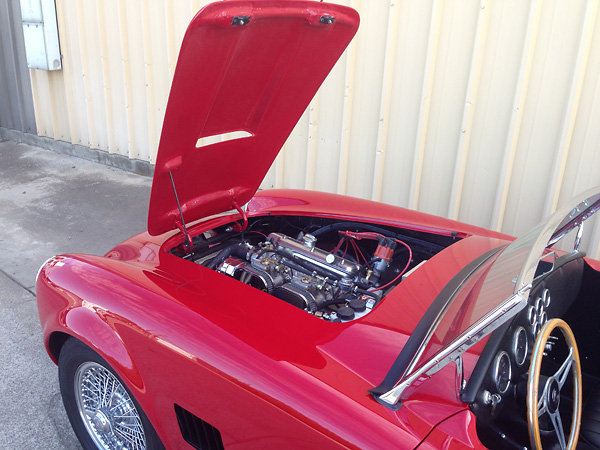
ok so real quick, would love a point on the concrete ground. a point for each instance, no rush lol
(49, 204)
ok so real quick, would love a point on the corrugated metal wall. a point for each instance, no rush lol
(482, 111)
(16, 102)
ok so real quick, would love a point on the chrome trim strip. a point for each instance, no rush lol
(454, 349)
(439, 317)
(554, 228)
(578, 237)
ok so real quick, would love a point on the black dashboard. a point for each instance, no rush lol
(499, 378)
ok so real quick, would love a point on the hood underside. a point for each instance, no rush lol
(246, 73)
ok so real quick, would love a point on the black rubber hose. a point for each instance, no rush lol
(233, 250)
(338, 301)
(367, 226)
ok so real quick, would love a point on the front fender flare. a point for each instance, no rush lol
(88, 327)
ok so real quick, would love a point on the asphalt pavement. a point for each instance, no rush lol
(50, 204)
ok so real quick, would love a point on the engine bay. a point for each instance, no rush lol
(334, 270)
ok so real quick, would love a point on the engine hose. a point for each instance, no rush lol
(233, 250)
(338, 301)
(366, 226)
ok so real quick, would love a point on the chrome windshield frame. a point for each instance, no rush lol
(454, 350)
(500, 282)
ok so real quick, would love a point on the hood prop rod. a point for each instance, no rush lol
(181, 225)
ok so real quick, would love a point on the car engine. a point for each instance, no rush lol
(303, 275)
(337, 271)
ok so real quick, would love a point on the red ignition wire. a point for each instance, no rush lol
(338, 246)
(353, 244)
(377, 236)
(362, 235)
(359, 251)
(403, 270)
(258, 232)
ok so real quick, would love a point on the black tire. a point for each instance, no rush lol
(101, 421)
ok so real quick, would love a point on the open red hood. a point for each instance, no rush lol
(250, 67)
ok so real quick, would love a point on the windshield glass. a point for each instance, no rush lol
(501, 277)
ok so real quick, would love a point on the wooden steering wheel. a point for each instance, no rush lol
(548, 401)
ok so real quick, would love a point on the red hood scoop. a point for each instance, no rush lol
(246, 73)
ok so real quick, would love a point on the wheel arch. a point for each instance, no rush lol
(56, 341)
(87, 327)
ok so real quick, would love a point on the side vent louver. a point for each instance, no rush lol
(197, 432)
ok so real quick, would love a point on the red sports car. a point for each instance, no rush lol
(290, 319)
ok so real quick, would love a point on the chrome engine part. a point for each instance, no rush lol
(303, 275)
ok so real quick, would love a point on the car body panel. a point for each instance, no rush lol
(256, 78)
(313, 203)
(455, 433)
(179, 329)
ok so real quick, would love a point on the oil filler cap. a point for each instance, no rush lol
(345, 313)
(357, 304)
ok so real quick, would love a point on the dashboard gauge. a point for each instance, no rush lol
(532, 315)
(502, 372)
(520, 346)
(543, 318)
(539, 306)
(546, 298)
(536, 329)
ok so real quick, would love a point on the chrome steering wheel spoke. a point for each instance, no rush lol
(558, 428)
(563, 371)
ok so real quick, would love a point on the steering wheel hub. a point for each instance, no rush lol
(553, 395)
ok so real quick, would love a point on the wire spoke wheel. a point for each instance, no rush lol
(107, 410)
(102, 410)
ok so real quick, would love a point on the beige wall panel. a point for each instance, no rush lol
(57, 94)
(327, 131)
(157, 72)
(42, 102)
(178, 16)
(310, 156)
(366, 99)
(114, 82)
(457, 31)
(50, 98)
(493, 109)
(132, 36)
(543, 115)
(91, 57)
(293, 157)
(412, 34)
(73, 73)
(582, 169)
